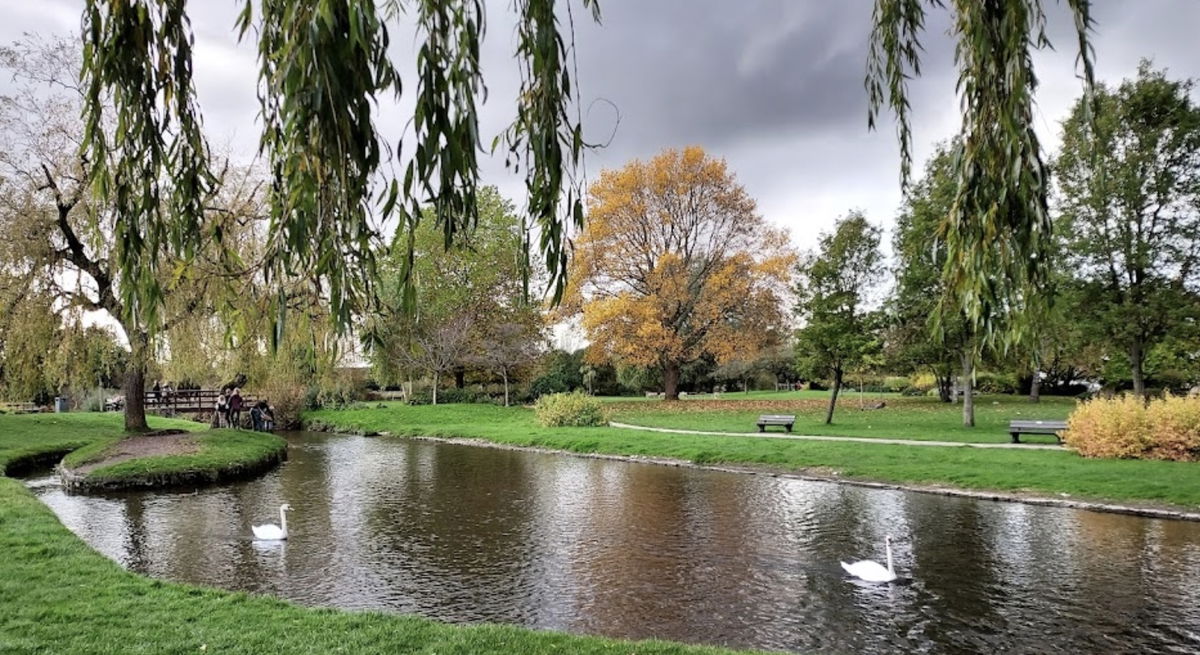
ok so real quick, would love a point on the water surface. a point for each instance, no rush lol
(467, 534)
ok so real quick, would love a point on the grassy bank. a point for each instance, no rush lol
(27, 436)
(57, 595)
(218, 455)
(923, 419)
(1042, 472)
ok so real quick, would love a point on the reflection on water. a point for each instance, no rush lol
(467, 534)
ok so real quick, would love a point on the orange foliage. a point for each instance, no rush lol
(1127, 428)
(675, 263)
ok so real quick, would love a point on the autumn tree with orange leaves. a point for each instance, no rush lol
(674, 264)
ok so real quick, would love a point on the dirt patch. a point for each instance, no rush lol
(151, 444)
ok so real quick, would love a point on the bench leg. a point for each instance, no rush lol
(762, 428)
(1016, 438)
(789, 427)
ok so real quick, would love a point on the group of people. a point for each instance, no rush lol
(161, 391)
(228, 412)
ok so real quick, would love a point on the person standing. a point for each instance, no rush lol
(235, 409)
(221, 412)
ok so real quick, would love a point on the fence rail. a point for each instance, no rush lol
(189, 401)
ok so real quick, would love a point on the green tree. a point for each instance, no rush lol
(915, 343)
(833, 295)
(464, 296)
(997, 235)
(60, 238)
(1129, 174)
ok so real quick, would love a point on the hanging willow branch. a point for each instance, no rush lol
(323, 63)
(544, 137)
(998, 231)
(153, 165)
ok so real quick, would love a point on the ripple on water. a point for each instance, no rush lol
(467, 534)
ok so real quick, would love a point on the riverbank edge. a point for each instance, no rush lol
(1168, 512)
(219, 619)
(183, 470)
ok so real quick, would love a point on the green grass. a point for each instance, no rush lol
(923, 419)
(31, 435)
(59, 596)
(221, 453)
(1038, 471)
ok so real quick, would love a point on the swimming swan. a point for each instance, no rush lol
(873, 571)
(270, 532)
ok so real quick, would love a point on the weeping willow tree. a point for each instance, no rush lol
(996, 235)
(997, 232)
(323, 67)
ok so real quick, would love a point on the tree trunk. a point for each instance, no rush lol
(945, 386)
(671, 381)
(968, 388)
(837, 386)
(135, 382)
(1137, 360)
(436, 378)
(1035, 387)
(505, 374)
(460, 378)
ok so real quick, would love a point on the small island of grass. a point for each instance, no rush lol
(170, 458)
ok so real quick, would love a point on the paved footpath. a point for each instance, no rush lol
(812, 437)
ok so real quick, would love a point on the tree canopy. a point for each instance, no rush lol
(1129, 174)
(833, 297)
(675, 263)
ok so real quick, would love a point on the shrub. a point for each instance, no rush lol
(1176, 423)
(996, 383)
(574, 409)
(456, 395)
(894, 384)
(924, 381)
(288, 401)
(449, 396)
(1126, 428)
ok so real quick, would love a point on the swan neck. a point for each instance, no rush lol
(283, 526)
(891, 570)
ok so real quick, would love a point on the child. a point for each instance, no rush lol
(221, 413)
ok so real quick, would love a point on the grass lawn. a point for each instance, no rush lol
(903, 418)
(1043, 472)
(30, 435)
(220, 454)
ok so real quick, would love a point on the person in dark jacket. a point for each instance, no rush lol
(235, 409)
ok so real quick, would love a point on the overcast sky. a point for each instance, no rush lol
(773, 86)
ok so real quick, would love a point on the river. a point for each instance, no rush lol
(468, 534)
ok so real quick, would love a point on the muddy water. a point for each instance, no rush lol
(466, 534)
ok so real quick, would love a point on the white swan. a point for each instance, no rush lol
(270, 532)
(873, 571)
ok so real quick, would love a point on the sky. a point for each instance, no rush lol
(775, 87)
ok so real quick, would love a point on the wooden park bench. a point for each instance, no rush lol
(1017, 428)
(786, 420)
(19, 408)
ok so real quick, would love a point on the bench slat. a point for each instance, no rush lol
(1017, 427)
